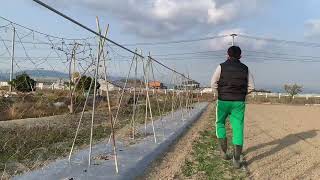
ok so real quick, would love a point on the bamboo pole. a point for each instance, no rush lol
(114, 147)
(134, 99)
(157, 99)
(79, 124)
(148, 104)
(94, 98)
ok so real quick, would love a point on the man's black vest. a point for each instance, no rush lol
(233, 82)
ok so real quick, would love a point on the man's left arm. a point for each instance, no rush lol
(250, 83)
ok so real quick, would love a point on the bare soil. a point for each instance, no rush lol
(282, 142)
(169, 166)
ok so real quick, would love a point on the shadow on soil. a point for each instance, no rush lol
(281, 144)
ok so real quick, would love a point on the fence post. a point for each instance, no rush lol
(279, 95)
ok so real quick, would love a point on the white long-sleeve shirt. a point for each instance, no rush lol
(216, 77)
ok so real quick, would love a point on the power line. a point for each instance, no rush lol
(38, 32)
(177, 41)
(298, 43)
(144, 44)
(191, 56)
(188, 53)
(261, 59)
(284, 54)
(251, 53)
(251, 57)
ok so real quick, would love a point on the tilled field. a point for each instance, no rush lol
(282, 142)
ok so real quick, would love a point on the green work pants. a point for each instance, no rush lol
(236, 111)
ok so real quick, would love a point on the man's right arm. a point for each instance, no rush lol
(215, 79)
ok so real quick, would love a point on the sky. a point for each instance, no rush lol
(143, 21)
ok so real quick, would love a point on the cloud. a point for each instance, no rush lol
(163, 18)
(312, 28)
(225, 42)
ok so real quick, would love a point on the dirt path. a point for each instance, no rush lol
(170, 165)
(282, 142)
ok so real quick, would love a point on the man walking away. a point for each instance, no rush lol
(233, 82)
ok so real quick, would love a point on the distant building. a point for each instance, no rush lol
(206, 90)
(190, 84)
(59, 84)
(105, 85)
(39, 85)
(4, 84)
(43, 85)
(156, 85)
(50, 83)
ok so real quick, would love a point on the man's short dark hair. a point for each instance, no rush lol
(234, 52)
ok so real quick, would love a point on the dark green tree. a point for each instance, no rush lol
(84, 84)
(23, 83)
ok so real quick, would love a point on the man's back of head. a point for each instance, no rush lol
(234, 52)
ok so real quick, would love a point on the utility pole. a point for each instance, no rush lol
(233, 37)
(12, 56)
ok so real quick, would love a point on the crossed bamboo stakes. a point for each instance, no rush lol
(177, 98)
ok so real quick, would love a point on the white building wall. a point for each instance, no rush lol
(4, 83)
(207, 90)
(106, 85)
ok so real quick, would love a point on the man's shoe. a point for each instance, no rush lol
(237, 151)
(224, 148)
(226, 156)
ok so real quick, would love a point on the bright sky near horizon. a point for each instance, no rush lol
(133, 21)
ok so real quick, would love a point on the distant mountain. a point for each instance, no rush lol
(4, 77)
(37, 74)
(48, 75)
(45, 74)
